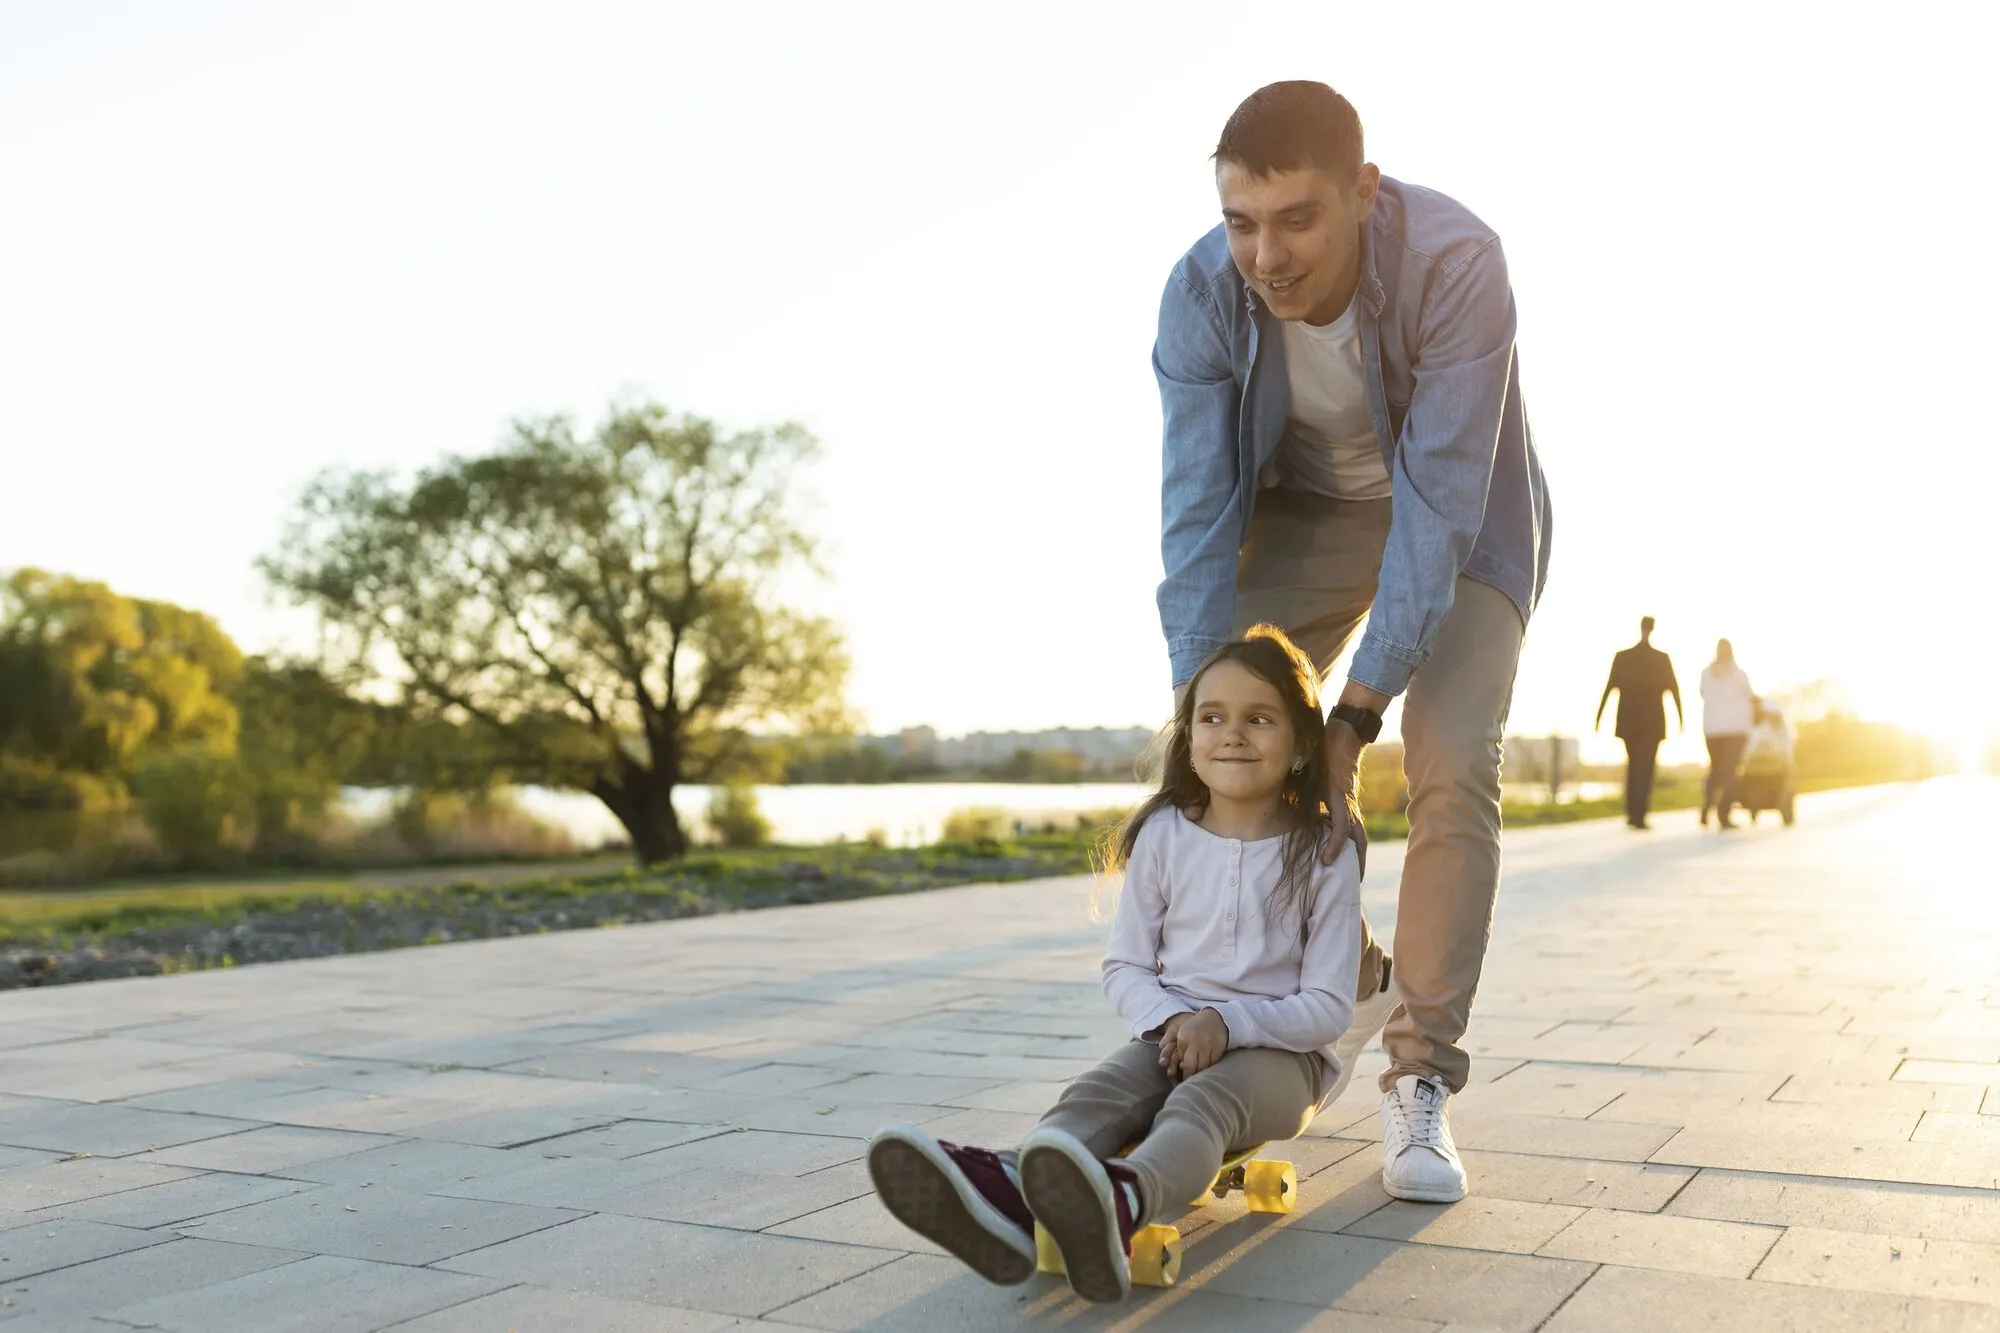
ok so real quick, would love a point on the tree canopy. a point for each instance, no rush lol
(606, 608)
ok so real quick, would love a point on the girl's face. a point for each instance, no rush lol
(1241, 735)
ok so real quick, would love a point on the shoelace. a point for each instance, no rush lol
(1421, 1124)
(983, 1156)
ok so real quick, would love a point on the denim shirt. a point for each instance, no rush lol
(1436, 316)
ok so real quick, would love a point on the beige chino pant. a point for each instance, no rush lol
(1310, 566)
(1252, 1095)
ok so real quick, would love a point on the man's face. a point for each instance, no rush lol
(1296, 236)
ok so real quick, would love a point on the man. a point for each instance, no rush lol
(1641, 674)
(1345, 438)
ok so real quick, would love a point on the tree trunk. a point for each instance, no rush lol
(644, 806)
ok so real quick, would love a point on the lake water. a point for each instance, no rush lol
(904, 813)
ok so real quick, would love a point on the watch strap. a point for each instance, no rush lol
(1367, 723)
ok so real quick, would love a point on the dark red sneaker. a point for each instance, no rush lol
(1086, 1206)
(964, 1199)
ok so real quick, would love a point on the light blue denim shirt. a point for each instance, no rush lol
(1437, 343)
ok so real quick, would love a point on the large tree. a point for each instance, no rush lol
(602, 608)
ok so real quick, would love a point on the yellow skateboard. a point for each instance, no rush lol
(1266, 1186)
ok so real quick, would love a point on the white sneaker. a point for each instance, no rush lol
(1369, 1016)
(1419, 1160)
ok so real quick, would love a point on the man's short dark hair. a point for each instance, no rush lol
(1294, 124)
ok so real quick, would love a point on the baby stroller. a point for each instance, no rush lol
(1768, 777)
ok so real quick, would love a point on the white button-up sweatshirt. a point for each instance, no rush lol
(1192, 931)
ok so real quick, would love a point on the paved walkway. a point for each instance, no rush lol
(1721, 1082)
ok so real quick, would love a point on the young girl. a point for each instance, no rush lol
(1233, 957)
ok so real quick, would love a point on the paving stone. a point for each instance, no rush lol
(1474, 1223)
(1424, 1282)
(513, 1128)
(1640, 1186)
(41, 1246)
(1026, 1097)
(922, 1294)
(619, 1139)
(1671, 1244)
(164, 1269)
(744, 1199)
(1980, 1131)
(535, 1309)
(378, 1222)
(582, 1183)
(1897, 1265)
(1980, 1073)
(1637, 1298)
(109, 1131)
(1896, 1094)
(342, 1296)
(670, 1263)
(180, 1200)
(416, 1165)
(1810, 1155)
(1879, 1207)
(987, 1129)
(63, 1181)
(269, 1148)
(858, 1221)
(360, 1112)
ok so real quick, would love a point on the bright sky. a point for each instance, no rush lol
(1750, 245)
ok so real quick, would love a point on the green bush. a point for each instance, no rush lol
(976, 822)
(197, 803)
(735, 818)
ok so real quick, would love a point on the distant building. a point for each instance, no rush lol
(1104, 751)
(919, 746)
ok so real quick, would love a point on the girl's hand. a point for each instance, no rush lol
(1199, 1041)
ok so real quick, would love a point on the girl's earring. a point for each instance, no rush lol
(1298, 766)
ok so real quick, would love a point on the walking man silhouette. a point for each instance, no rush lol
(1642, 675)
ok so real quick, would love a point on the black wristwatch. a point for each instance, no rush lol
(1367, 723)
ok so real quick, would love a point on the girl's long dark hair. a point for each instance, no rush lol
(1272, 657)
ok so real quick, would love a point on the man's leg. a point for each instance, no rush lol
(1309, 566)
(1453, 717)
(1634, 810)
(1645, 763)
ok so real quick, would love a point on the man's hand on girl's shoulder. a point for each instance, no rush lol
(1344, 824)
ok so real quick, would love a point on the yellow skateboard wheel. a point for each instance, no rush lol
(1048, 1255)
(1270, 1187)
(1156, 1256)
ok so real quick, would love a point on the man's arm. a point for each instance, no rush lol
(1199, 403)
(1674, 688)
(1610, 684)
(1461, 405)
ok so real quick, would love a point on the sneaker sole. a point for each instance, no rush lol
(924, 1191)
(1080, 1216)
(1418, 1194)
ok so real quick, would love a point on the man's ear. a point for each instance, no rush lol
(1366, 186)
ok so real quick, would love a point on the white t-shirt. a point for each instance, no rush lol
(1329, 444)
(1726, 700)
